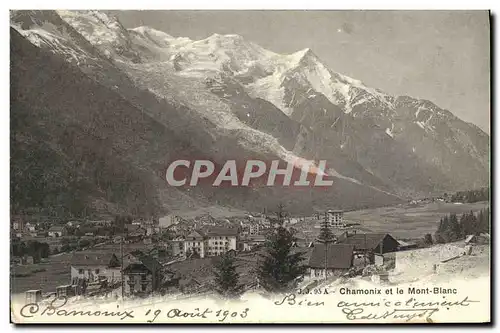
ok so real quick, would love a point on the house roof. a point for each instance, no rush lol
(469, 238)
(196, 234)
(220, 231)
(56, 228)
(257, 238)
(365, 241)
(94, 259)
(306, 251)
(338, 256)
(151, 263)
(136, 267)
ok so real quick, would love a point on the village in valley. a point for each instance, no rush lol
(129, 258)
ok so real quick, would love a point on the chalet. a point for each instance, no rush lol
(95, 266)
(339, 260)
(369, 242)
(57, 231)
(134, 232)
(142, 275)
(30, 227)
(30, 260)
(483, 238)
(249, 243)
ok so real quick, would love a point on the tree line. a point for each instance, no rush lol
(451, 228)
(470, 196)
(35, 249)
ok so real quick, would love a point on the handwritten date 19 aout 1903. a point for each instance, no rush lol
(220, 315)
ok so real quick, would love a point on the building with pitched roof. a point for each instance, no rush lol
(220, 240)
(370, 242)
(340, 259)
(95, 266)
(57, 231)
(195, 243)
(209, 241)
(142, 274)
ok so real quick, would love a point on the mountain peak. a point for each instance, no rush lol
(225, 40)
(305, 57)
(151, 31)
(228, 36)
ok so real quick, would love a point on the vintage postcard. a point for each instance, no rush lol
(250, 166)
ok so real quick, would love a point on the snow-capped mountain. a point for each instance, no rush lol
(231, 98)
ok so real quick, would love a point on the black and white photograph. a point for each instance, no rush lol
(250, 166)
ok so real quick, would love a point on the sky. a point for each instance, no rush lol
(442, 56)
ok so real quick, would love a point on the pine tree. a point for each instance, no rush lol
(428, 239)
(281, 214)
(279, 267)
(325, 233)
(473, 223)
(226, 277)
(464, 224)
(455, 230)
(440, 239)
(449, 229)
(325, 237)
(483, 221)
